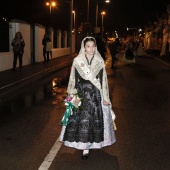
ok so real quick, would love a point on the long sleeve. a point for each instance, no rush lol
(100, 76)
(72, 81)
(22, 43)
(105, 88)
(13, 42)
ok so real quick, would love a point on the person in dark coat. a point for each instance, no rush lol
(18, 49)
(46, 50)
(129, 56)
(101, 46)
(114, 51)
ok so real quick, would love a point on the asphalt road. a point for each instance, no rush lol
(140, 95)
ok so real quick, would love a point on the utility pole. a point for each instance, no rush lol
(71, 26)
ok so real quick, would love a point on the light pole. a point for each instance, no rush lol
(103, 13)
(134, 33)
(97, 9)
(71, 26)
(88, 12)
(74, 15)
(51, 4)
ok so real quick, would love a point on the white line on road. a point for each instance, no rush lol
(50, 157)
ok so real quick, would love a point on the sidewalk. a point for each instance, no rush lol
(156, 55)
(11, 80)
(36, 71)
(162, 60)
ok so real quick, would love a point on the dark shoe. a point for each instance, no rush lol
(85, 156)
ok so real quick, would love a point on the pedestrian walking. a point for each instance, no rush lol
(140, 49)
(129, 56)
(114, 51)
(47, 48)
(101, 45)
(18, 45)
(90, 124)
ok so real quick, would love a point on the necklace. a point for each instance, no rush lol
(89, 63)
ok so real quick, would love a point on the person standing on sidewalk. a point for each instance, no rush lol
(47, 48)
(90, 127)
(18, 45)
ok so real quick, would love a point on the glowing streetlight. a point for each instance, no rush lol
(51, 4)
(136, 29)
(102, 13)
(97, 6)
(74, 13)
(88, 11)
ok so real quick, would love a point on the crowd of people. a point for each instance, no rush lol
(18, 45)
(90, 127)
(132, 47)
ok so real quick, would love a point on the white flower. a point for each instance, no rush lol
(74, 99)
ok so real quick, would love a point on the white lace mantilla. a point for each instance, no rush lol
(95, 67)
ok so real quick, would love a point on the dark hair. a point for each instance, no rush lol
(21, 37)
(89, 39)
(117, 39)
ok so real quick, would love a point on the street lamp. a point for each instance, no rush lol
(88, 11)
(103, 13)
(51, 4)
(97, 9)
(136, 29)
(71, 26)
(74, 13)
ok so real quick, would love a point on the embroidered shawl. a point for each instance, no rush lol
(95, 67)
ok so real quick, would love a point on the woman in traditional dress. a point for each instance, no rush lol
(140, 49)
(90, 127)
(129, 56)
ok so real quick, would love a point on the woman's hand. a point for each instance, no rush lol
(106, 103)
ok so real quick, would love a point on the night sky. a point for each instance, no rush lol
(119, 13)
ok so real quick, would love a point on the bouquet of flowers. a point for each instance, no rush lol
(72, 101)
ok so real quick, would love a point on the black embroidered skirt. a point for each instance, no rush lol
(86, 125)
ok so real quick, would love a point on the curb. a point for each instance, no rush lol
(160, 60)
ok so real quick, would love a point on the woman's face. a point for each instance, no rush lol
(90, 47)
(18, 34)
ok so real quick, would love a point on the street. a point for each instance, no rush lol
(140, 95)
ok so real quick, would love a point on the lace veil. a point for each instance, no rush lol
(95, 67)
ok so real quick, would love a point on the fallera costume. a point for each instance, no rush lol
(140, 50)
(92, 126)
(129, 56)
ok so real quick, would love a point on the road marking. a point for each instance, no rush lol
(167, 64)
(50, 157)
(45, 70)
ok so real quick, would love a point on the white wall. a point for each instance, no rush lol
(6, 61)
(6, 58)
(24, 28)
(39, 35)
(57, 52)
